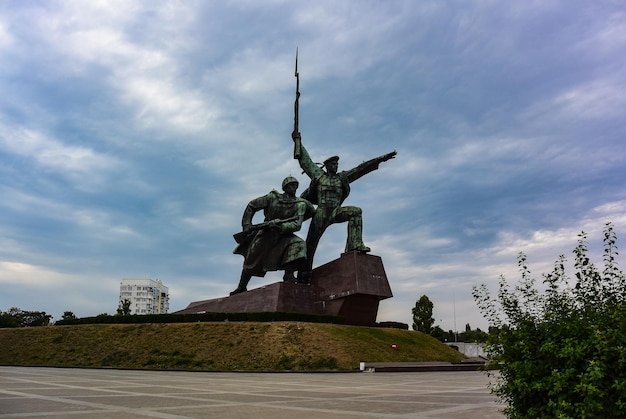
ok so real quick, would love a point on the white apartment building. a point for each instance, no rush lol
(146, 296)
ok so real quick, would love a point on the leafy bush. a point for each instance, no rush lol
(561, 353)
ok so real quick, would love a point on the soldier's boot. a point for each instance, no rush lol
(304, 277)
(243, 284)
(289, 276)
(355, 234)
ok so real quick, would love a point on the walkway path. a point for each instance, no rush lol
(29, 392)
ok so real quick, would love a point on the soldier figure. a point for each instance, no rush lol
(328, 190)
(271, 245)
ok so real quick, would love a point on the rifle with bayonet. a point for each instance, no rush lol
(297, 146)
(246, 236)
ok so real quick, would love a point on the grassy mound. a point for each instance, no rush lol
(224, 346)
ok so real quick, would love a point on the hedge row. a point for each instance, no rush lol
(202, 317)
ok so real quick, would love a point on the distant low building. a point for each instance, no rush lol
(146, 296)
(469, 349)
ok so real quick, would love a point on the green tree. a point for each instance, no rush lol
(438, 333)
(561, 352)
(423, 315)
(17, 317)
(124, 308)
(476, 335)
(7, 320)
(471, 335)
(35, 318)
(68, 315)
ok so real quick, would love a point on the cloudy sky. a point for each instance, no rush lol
(133, 134)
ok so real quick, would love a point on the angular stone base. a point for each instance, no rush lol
(280, 296)
(351, 286)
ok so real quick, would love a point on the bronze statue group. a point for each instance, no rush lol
(273, 246)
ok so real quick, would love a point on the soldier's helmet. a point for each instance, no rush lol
(288, 180)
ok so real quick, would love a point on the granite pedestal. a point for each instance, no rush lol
(351, 287)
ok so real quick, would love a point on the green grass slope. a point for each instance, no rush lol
(224, 346)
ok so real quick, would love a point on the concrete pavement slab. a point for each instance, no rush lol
(126, 394)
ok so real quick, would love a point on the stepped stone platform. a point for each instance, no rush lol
(469, 364)
(351, 286)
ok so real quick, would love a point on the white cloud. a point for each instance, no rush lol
(6, 39)
(609, 36)
(598, 99)
(85, 167)
(32, 276)
(143, 73)
(160, 103)
(213, 221)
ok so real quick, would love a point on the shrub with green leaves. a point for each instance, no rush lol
(561, 352)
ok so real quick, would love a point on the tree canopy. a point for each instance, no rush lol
(16, 317)
(423, 315)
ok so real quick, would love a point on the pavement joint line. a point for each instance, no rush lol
(100, 406)
(127, 393)
(276, 396)
(49, 414)
(457, 408)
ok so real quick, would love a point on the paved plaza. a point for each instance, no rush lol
(33, 392)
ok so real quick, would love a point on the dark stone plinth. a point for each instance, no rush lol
(351, 286)
(281, 296)
(352, 273)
